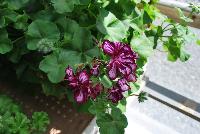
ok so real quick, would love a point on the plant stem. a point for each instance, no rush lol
(133, 95)
(18, 39)
(166, 26)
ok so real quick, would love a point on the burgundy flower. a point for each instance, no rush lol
(83, 78)
(80, 84)
(95, 91)
(123, 60)
(123, 84)
(95, 70)
(70, 77)
(115, 94)
(81, 95)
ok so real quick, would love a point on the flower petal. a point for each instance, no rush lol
(69, 74)
(95, 70)
(80, 96)
(131, 78)
(69, 71)
(118, 46)
(115, 95)
(123, 84)
(95, 91)
(112, 73)
(108, 47)
(83, 77)
(125, 70)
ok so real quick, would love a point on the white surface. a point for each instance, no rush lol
(139, 123)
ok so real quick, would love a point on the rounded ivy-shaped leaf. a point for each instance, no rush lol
(5, 42)
(41, 33)
(63, 6)
(54, 65)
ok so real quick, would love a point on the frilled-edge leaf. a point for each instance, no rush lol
(41, 34)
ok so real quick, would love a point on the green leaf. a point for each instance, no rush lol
(16, 4)
(85, 2)
(5, 42)
(79, 49)
(184, 56)
(19, 124)
(68, 28)
(173, 46)
(42, 33)
(21, 22)
(142, 45)
(109, 25)
(198, 42)
(134, 87)
(105, 81)
(40, 121)
(122, 105)
(54, 65)
(19, 49)
(7, 16)
(98, 107)
(183, 17)
(113, 123)
(46, 14)
(142, 97)
(6, 104)
(64, 6)
(135, 22)
(146, 18)
(80, 38)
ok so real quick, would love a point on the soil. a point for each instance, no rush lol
(62, 114)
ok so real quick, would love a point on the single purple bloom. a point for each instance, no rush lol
(80, 84)
(123, 59)
(81, 96)
(115, 95)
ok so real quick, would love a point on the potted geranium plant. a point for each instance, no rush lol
(91, 51)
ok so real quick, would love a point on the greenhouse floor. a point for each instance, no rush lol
(183, 81)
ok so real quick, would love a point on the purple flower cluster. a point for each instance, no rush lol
(82, 86)
(122, 65)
